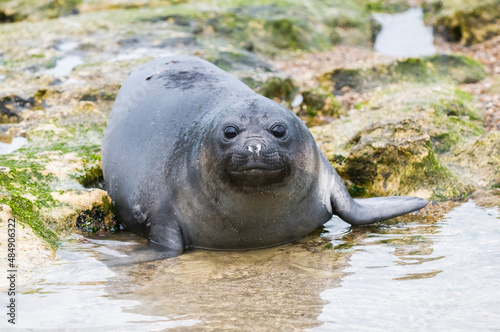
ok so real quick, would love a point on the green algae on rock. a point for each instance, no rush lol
(274, 27)
(316, 101)
(237, 60)
(444, 68)
(387, 6)
(479, 162)
(460, 105)
(92, 177)
(33, 10)
(9, 108)
(276, 87)
(33, 191)
(284, 89)
(401, 141)
(99, 218)
(40, 181)
(468, 22)
(397, 159)
(14, 11)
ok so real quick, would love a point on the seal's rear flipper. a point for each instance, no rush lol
(368, 210)
(388, 207)
(371, 210)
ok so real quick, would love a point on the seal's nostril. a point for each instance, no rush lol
(254, 150)
(254, 144)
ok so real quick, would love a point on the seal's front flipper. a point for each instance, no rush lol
(148, 254)
(166, 236)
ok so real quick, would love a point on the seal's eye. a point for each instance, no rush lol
(278, 131)
(231, 132)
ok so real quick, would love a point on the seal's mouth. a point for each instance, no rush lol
(257, 170)
(257, 176)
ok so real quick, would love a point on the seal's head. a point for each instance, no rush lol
(255, 153)
(257, 145)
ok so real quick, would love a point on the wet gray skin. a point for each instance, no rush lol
(193, 158)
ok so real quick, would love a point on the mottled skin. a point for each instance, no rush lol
(193, 158)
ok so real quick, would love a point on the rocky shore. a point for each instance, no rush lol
(421, 126)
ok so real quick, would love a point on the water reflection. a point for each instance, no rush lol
(437, 276)
(412, 273)
(269, 289)
(261, 289)
(71, 294)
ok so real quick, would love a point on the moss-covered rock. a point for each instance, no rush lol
(456, 121)
(237, 61)
(45, 197)
(34, 10)
(10, 107)
(479, 162)
(39, 183)
(325, 103)
(402, 140)
(458, 107)
(265, 29)
(14, 11)
(397, 159)
(450, 68)
(260, 34)
(57, 8)
(467, 22)
(7, 15)
(276, 26)
(281, 89)
(100, 218)
(455, 67)
(387, 6)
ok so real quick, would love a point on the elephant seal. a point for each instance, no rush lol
(193, 158)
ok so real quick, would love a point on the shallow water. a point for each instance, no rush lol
(71, 293)
(16, 144)
(404, 34)
(413, 273)
(444, 277)
(142, 52)
(67, 46)
(64, 66)
(70, 60)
